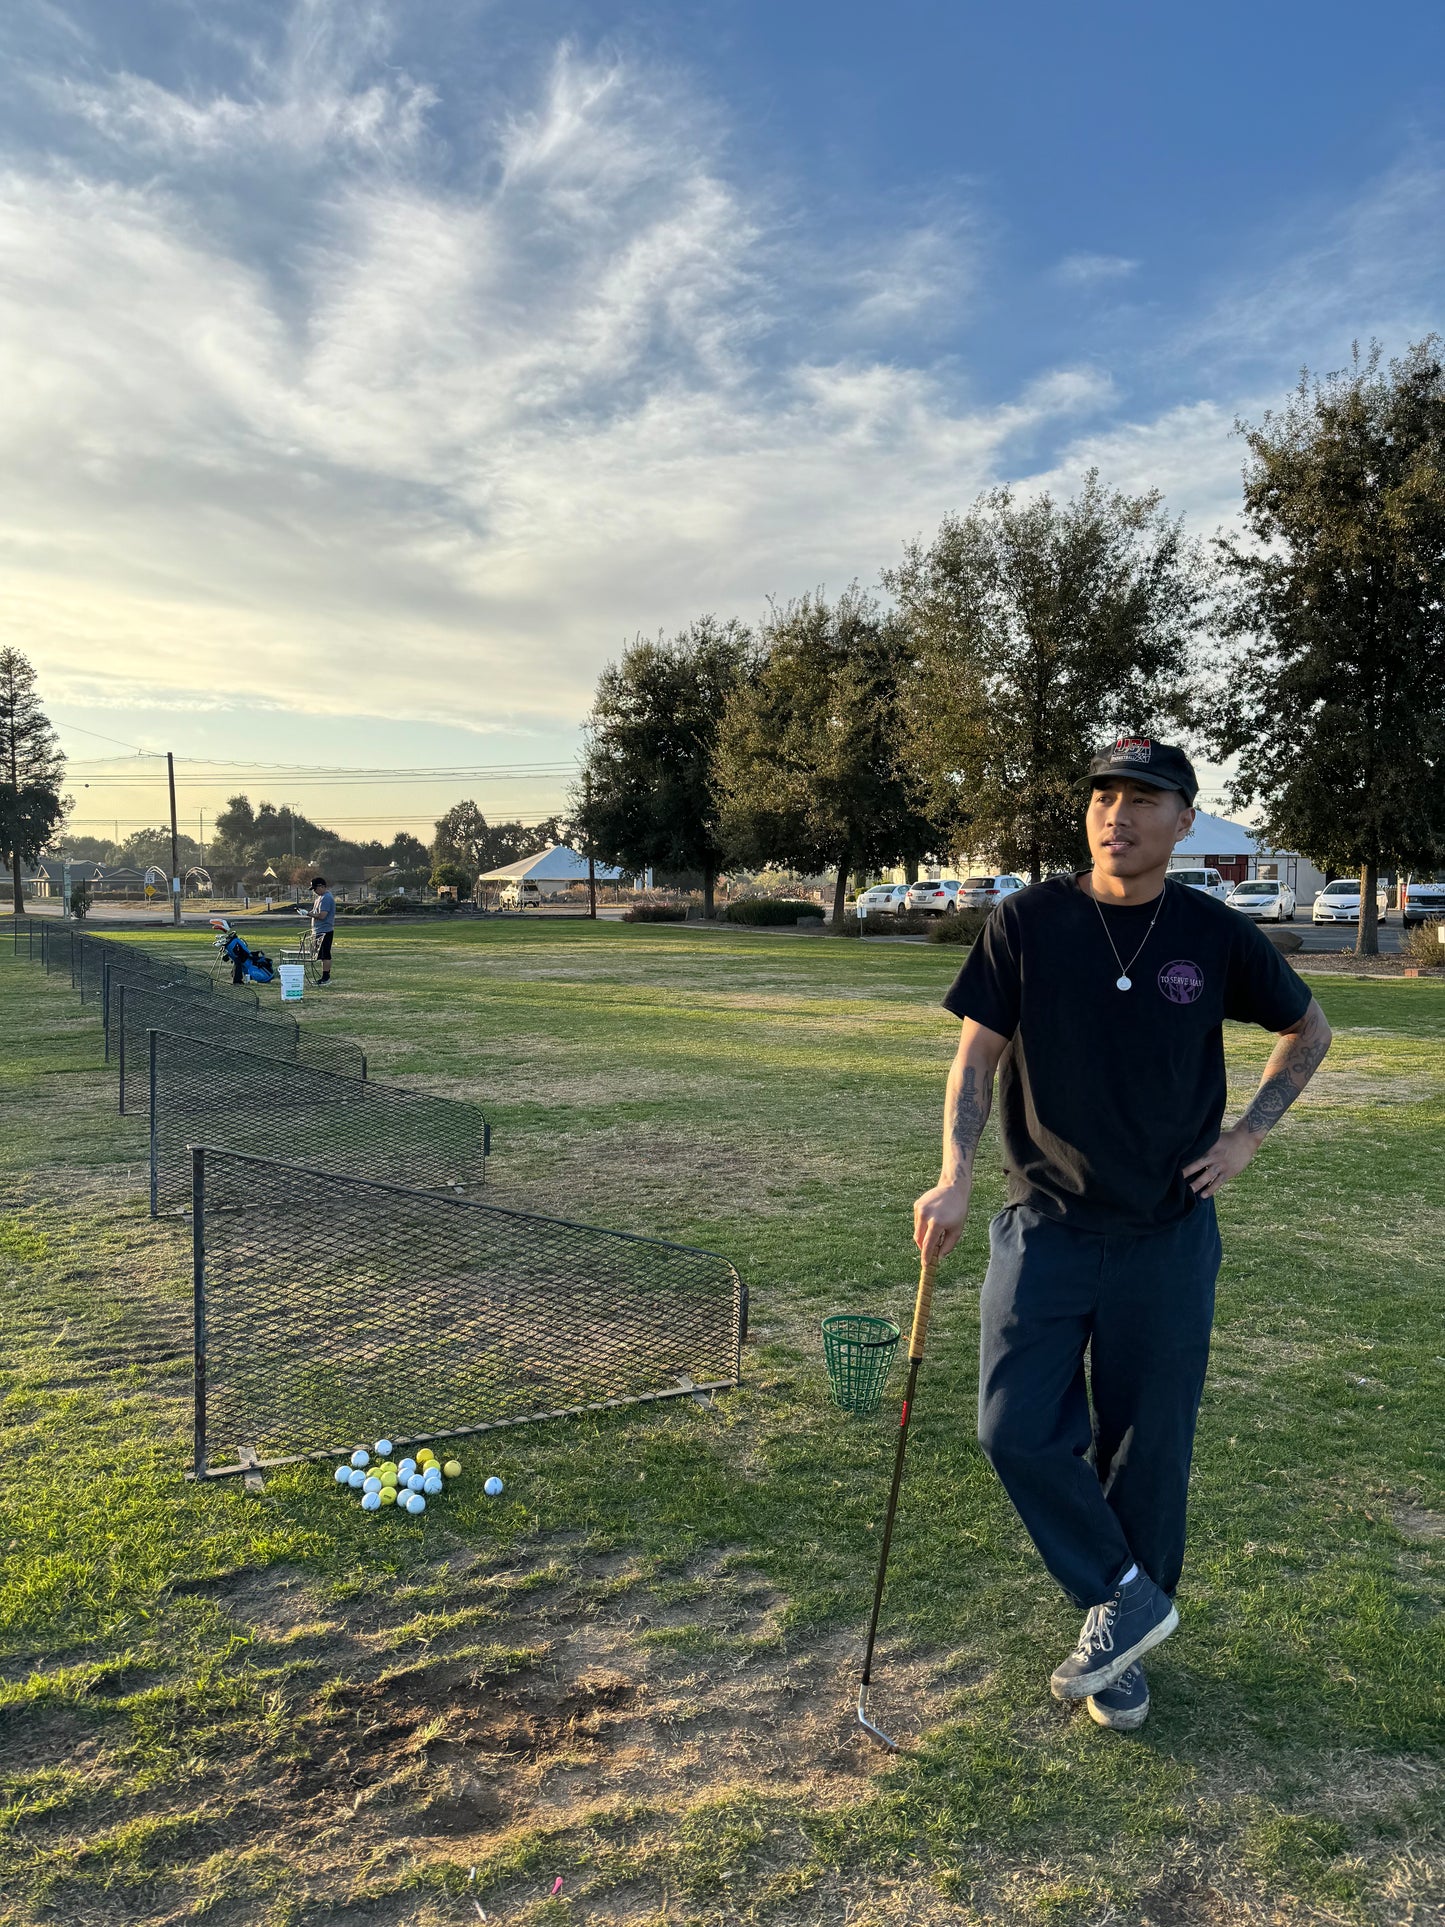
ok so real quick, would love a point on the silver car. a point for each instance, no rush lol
(1339, 902)
(982, 893)
(1264, 899)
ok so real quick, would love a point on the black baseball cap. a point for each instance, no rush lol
(1139, 759)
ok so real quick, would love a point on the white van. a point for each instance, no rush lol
(1201, 877)
(521, 896)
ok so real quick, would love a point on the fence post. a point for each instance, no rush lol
(198, 1285)
(120, 1048)
(151, 1037)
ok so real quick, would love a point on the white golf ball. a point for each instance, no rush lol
(372, 1484)
(431, 1487)
(371, 1502)
(356, 1480)
(361, 1456)
(416, 1503)
(407, 1467)
(416, 1482)
(493, 1488)
(343, 1474)
(383, 1448)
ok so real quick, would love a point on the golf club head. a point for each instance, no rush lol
(867, 1724)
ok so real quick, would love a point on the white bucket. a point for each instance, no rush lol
(293, 982)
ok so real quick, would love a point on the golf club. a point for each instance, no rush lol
(923, 1305)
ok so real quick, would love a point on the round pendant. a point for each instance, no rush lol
(1124, 983)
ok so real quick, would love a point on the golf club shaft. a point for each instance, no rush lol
(922, 1310)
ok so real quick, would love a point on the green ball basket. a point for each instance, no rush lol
(859, 1353)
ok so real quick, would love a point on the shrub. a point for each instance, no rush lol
(959, 926)
(80, 902)
(1423, 946)
(770, 910)
(888, 923)
(656, 913)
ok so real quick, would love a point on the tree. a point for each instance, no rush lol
(1333, 694)
(651, 740)
(453, 876)
(31, 771)
(148, 849)
(464, 836)
(1041, 629)
(807, 766)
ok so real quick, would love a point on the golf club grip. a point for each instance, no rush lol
(922, 1307)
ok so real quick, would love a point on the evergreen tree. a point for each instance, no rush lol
(1333, 694)
(31, 771)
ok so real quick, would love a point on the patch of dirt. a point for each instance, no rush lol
(1418, 1523)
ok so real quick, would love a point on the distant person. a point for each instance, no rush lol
(323, 924)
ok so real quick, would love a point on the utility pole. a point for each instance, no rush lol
(175, 843)
(202, 838)
(591, 863)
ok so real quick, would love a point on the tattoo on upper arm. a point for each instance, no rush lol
(970, 1114)
(1279, 1090)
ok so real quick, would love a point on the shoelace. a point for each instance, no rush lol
(1098, 1629)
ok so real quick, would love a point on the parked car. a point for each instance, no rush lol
(883, 896)
(1263, 898)
(521, 896)
(1339, 902)
(933, 899)
(1423, 897)
(982, 893)
(1202, 877)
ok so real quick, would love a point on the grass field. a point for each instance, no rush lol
(636, 1671)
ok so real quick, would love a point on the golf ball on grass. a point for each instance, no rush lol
(493, 1488)
(432, 1486)
(372, 1484)
(453, 1468)
(371, 1501)
(361, 1456)
(343, 1474)
(416, 1503)
(416, 1481)
(407, 1467)
(383, 1448)
(356, 1480)
(387, 1495)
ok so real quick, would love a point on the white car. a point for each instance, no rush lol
(1203, 878)
(1339, 902)
(521, 896)
(883, 896)
(933, 899)
(1423, 897)
(982, 893)
(1264, 898)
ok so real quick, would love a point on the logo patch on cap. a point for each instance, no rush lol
(1133, 749)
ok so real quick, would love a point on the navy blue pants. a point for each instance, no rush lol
(1097, 1490)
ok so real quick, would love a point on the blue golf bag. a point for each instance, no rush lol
(248, 966)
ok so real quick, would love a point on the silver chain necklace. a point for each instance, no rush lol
(1124, 981)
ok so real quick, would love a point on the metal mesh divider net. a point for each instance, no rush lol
(304, 1346)
(204, 1091)
(136, 1008)
(138, 969)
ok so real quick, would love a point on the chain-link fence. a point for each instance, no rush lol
(137, 1008)
(203, 1091)
(330, 1311)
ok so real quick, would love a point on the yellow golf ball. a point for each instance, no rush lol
(426, 1456)
(387, 1475)
(452, 1468)
(387, 1495)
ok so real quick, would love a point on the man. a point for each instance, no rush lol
(1100, 1000)
(323, 924)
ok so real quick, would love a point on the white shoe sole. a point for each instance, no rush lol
(1102, 1676)
(1126, 1720)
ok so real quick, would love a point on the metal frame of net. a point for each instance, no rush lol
(201, 1090)
(330, 1310)
(178, 996)
(136, 1009)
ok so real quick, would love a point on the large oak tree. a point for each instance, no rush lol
(31, 771)
(1333, 695)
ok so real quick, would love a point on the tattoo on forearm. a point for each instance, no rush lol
(1303, 1054)
(970, 1114)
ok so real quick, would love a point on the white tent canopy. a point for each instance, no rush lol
(559, 864)
(1217, 836)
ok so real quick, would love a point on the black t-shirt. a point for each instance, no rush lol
(1105, 1095)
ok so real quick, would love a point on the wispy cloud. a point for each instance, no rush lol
(1089, 270)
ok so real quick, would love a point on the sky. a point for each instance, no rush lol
(372, 371)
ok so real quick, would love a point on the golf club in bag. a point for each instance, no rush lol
(922, 1308)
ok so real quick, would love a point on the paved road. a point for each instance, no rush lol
(1340, 936)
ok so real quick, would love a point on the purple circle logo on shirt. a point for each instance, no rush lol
(1181, 982)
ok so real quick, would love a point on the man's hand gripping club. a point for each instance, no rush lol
(940, 1214)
